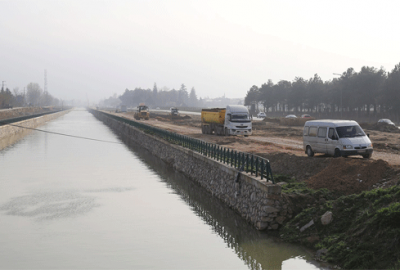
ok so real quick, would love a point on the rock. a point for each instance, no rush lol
(253, 196)
(320, 253)
(266, 219)
(280, 219)
(274, 226)
(281, 183)
(312, 239)
(269, 209)
(327, 218)
(309, 224)
(261, 225)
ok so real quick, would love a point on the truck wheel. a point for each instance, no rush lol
(217, 131)
(202, 129)
(337, 153)
(226, 132)
(367, 156)
(310, 152)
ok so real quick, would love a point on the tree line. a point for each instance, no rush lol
(155, 97)
(33, 96)
(369, 92)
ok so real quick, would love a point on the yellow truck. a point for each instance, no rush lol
(232, 120)
(142, 112)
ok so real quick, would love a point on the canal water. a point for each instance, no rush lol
(70, 203)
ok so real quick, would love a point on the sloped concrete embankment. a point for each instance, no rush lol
(10, 134)
(257, 201)
(18, 112)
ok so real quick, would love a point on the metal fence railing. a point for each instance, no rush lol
(248, 162)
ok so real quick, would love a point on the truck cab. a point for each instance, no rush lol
(237, 120)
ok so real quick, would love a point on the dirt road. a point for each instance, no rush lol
(283, 146)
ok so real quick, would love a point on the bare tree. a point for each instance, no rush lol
(33, 94)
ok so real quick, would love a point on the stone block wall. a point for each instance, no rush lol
(259, 202)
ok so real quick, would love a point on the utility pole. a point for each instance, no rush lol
(2, 85)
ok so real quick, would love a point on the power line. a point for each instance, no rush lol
(63, 134)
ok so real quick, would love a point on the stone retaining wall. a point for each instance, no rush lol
(259, 202)
(10, 134)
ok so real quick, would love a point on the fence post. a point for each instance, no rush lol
(256, 166)
(252, 163)
(262, 169)
(247, 163)
(235, 159)
(224, 154)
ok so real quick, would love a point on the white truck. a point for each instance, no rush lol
(232, 120)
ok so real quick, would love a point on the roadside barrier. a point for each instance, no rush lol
(251, 163)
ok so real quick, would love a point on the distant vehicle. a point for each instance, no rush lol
(337, 138)
(290, 116)
(306, 116)
(157, 108)
(261, 115)
(386, 121)
(174, 112)
(142, 112)
(121, 108)
(232, 120)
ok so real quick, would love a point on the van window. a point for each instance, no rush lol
(312, 131)
(331, 132)
(322, 132)
(350, 131)
(305, 131)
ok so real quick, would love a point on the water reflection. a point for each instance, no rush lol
(258, 250)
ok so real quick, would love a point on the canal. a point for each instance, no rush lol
(69, 203)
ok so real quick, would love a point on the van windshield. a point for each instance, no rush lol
(350, 131)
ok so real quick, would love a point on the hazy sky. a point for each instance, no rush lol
(98, 48)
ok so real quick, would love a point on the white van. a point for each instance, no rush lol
(336, 138)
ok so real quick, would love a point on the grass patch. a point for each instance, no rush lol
(284, 178)
(364, 233)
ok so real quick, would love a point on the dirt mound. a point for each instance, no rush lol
(388, 147)
(259, 125)
(294, 121)
(186, 117)
(381, 127)
(349, 176)
(159, 118)
(271, 120)
(298, 167)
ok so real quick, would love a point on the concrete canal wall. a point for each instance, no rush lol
(259, 202)
(10, 134)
